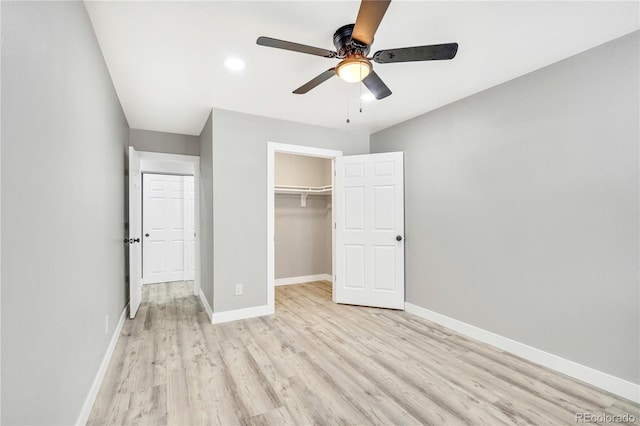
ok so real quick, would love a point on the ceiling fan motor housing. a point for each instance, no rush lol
(345, 45)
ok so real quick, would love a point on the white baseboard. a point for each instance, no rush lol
(238, 314)
(581, 372)
(207, 308)
(302, 279)
(97, 381)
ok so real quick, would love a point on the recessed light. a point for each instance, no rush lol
(234, 64)
(367, 97)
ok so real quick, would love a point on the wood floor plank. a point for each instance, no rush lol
(278, 416)
(296, 403)
(179, 407)
(316, 362)
(403, 394)
(249, 383)
(377, 406)
(623, 410)
(222, 404)
(532, 384)
(150, 369)
(327, 405)
(147, 407)
(115, 391)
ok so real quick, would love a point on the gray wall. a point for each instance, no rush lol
(206, 209)
(522, 208)
(63, 134)
(301, 235)
(169, 143)
(240, 197)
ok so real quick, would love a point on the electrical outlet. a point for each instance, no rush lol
(106, 324)
(238, 289)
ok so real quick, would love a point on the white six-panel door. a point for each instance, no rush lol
(369, 191)
(135, 233)
(163, 222)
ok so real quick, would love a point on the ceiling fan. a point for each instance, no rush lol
(352, 43)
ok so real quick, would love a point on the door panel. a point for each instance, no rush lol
(383, 217)
(354, 271)
(177, 257)
(369, 216)
(354, 204)
(154, 259)
(135, 233)
(384, 268)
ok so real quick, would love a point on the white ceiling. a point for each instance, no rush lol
(166, 58)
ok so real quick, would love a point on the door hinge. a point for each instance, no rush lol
(335, 226)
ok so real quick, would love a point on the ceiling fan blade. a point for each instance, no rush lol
(295, 47)
(368, 20)
(376, 86)
(315, 82)
(434, 52)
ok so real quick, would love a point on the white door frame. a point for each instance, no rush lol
(272, 148)
(157, 162)
(135, 232)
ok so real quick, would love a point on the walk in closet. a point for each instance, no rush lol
(303, 218)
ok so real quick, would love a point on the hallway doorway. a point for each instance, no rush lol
(175, 167)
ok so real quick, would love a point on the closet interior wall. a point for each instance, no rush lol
(303, 237)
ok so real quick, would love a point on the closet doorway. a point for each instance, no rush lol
(300, 216)
(367, 208)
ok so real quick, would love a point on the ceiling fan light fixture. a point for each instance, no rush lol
(353, 70)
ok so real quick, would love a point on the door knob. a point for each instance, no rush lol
(137, 240)
(146, 235)
(398, 237)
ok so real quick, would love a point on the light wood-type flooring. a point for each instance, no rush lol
(315, 362)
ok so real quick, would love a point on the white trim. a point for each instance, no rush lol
(239, 314)
(272, 148)
(162, 156)
(102, 370)
(302, 279)
(207, 308)
(581, 372)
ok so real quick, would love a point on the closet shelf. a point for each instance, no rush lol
(303, 191)
(288, 189)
